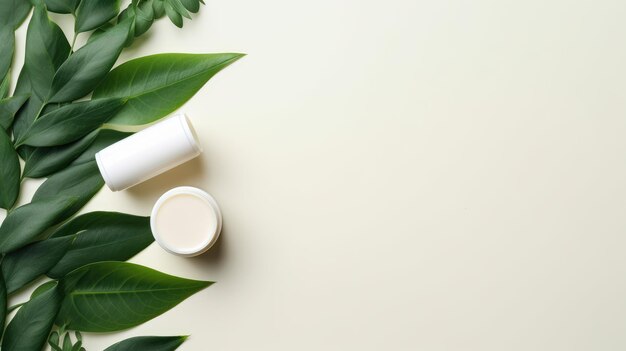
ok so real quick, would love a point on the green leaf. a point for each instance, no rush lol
(173, 15)
(86, 68)
(156, 85)
(9, 172)
(144, 17)
(44, 161)
(101, 236)
(81, 182)
(53, 341)
(3, 303)
(70, 122)
(105, 138)
(178, 6)
(98, 32)
(67, 342)
(152, 343)
(62, 6)
(110, 296)
(43, 288)
(46, 49)
(7, 47)
(192, 6)
(159, 10)
(29, 329)
(8, 109)
(22, 266)
(91, 14)
(27, 222)
(5, 85)
(13, 12)
(26, 115)
(38, 291)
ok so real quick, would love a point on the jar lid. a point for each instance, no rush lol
(186, 221)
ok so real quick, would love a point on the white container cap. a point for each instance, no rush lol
(186, 221)
(148, 153)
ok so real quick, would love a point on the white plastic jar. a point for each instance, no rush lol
(186, 221)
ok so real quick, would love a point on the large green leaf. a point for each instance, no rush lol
(27, 222)
(46, 49)
(91, 14)
(22, 266)
(8, 109)
(29, 329)
(3, 302)
(159, 84)
(62, 6)
(81, 182)
(86, 68)
(44, 161)
(7, 47)
(102, 236)
(70, 122)
(110, 296)
(13, 12)
(105, 138)
(9, 172)
(151, 343)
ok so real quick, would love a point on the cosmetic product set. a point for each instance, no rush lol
(185, 221)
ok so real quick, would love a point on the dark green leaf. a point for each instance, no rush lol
(178, 6)
(46, 49)
(110, 296)
(13, 12)
(159, 10)
(91, 14)
(44, 161)
(192, 6)
(53, 341)
(7, 47)
(79, 342)
(70, 122)
(5, 85)
(105, 138)
(30, 327)
(67, 342)
(102, 236)
(81, 182)
(144, 17)
(26, 115)
(27, 222)
(8, 109)
(22, 266)
(43, 288)
(98, 32)
(9, 172)
(62, 6)
(3, 303)
(174, 16)
(152, 343)
(86, 68)
(159, 84)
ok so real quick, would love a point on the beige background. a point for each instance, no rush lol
(403, 175)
